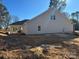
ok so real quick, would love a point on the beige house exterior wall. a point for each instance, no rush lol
(60, 25)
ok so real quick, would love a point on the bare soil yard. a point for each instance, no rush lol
(44, 46)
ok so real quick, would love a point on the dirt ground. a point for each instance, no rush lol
(44, 46)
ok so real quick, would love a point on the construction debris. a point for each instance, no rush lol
(39, 47)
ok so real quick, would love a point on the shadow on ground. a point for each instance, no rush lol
(61, 44)
(21, 41)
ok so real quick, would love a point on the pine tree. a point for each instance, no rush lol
(3, 15)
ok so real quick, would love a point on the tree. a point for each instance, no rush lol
(75, 15)
(75, 18)
(59, 4)
(5, 17)
(4, 14)
(53, 3)
(14, 19)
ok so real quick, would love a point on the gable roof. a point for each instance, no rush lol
(20, 22)
(46, 11)
(49, 11)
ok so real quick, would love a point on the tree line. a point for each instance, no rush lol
(75, 19)
(5, 17)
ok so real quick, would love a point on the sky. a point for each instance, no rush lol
(27, 9)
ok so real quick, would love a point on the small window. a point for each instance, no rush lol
(53, 17)
(39, 28)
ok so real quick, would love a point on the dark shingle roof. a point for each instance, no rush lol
(20, 22)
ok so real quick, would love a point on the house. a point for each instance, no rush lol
(50, 21)
(17, 26)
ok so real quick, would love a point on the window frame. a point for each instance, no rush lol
(53, 17)
(39, 28)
